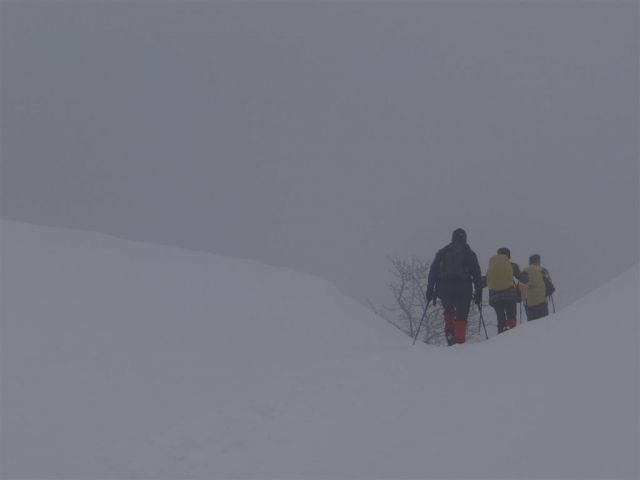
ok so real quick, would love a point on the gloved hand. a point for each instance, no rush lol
(478, 297)
(431, 295)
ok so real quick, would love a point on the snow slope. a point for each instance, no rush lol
(127, 360)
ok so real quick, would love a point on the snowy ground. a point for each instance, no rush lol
(126, 360)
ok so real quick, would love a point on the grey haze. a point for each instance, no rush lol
(323, 136)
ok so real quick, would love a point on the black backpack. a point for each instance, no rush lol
(454, 261)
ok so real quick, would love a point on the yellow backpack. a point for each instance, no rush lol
(535, 291)
(500, 273)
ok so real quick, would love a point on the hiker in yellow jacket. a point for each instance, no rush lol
(503, 295)
(536, 287)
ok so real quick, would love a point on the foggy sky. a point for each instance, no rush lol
(323, 136)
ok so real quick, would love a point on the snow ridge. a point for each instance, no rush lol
(127, 360)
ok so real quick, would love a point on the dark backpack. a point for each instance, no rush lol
(454, 262)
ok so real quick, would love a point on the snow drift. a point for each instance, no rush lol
(126, 360)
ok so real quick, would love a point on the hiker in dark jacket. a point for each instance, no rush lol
(455, 277)
(503, 294)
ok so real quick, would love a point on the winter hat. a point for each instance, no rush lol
(459, 235)
(504, 251)
(534, 259)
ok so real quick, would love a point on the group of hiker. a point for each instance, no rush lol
(455, 278)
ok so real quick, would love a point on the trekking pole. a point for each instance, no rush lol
(520, 313)
(552, 303)
(482, 322)
(420, 325)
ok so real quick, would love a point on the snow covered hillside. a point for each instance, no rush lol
(127, 360)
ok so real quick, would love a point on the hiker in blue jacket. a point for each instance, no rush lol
(455, 278)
